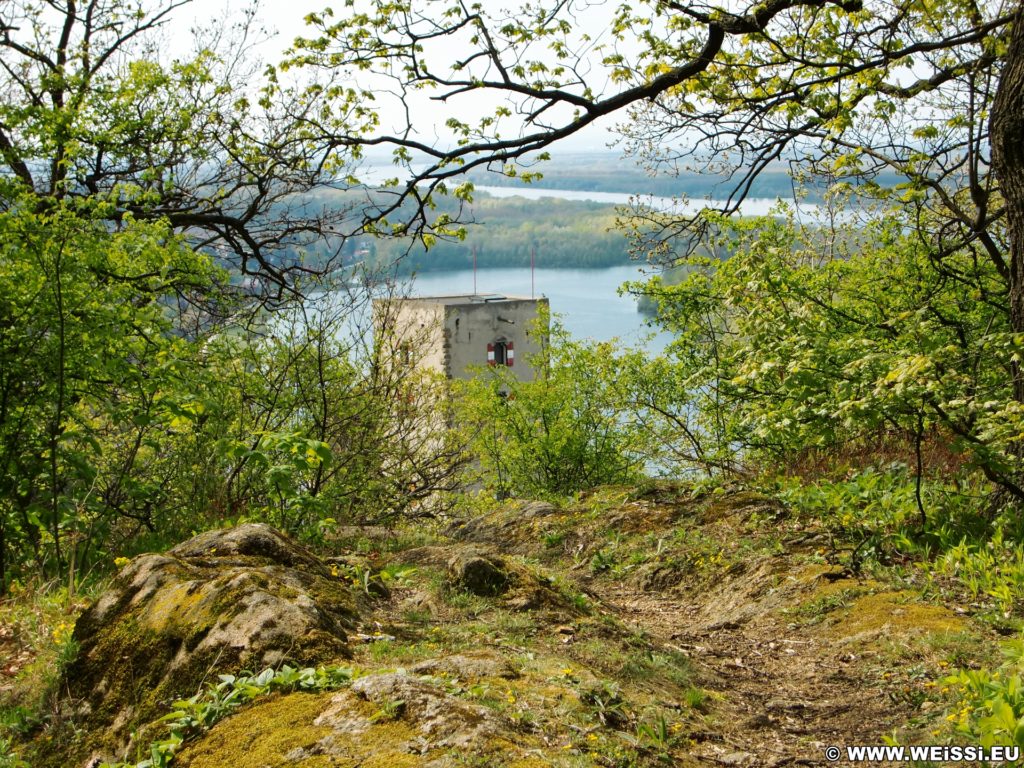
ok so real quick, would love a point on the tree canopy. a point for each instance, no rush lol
(851, 87)
(95, 112)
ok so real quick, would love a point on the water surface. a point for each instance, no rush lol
(587, 300)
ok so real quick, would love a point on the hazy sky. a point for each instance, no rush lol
(284, 18)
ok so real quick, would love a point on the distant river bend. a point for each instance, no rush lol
(754, 206)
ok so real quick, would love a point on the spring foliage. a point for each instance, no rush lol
(808, 340)
(566, 430)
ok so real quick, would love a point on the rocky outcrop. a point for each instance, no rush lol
(467, 667)
(247, 597)
(479, 573)
(386, 720)
(438, 719)
(510, 528)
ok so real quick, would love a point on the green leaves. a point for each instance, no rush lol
(805, 339)
(191, 717)
(569, 429)
(991, 702)
(88, 362)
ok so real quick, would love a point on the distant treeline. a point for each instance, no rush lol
(602, 173)
(606, 172)
(504, 232)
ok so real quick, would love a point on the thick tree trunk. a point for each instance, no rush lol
(1006, 135)
(1006, 128)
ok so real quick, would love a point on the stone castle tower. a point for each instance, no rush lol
(454, 334)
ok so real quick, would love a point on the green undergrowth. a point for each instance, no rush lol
(918, 607)
(988, 704)
(957, 559)
(943, 539)
(192, 717)
(36, 645)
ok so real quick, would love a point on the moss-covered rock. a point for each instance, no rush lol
(248, 597)
(513, 584)
(479, 573)
(389, 720)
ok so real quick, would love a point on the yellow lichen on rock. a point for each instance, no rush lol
(892, 615)
(262, 735)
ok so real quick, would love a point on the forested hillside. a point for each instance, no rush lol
(244, 522)
(505, 232)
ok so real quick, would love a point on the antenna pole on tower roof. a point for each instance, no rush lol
(533, 259)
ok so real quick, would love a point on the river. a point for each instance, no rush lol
(752, 206)
(586, 300)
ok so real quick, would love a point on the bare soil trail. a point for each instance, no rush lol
(798, 655)
(782, 695)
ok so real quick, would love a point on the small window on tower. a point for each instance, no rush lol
(500, 353)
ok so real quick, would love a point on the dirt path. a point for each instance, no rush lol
(783, 694)
(797, 653)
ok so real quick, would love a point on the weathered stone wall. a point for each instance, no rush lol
(469, 328)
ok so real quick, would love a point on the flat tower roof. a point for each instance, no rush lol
(468, 298)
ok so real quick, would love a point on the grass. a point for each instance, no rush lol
(36, 625)
(605, 695)
(815, 610)
(636, 662)
(417, 617)
(396, 652)
(514, 627)
(696, 699)
(553, 539)
(646, 665)
(397, 540)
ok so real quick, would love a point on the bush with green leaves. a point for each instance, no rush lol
(989, 573)
(570, 428)
(880, 503)
(90, 369)
(132, 413)
(308, 426)
(807, 339)
(990, 703)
